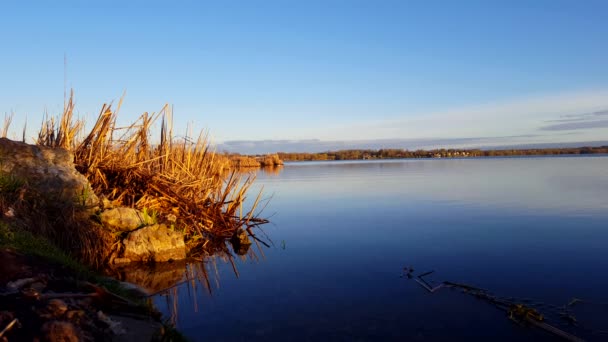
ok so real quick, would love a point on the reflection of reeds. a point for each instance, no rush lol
(198, 276)
(274, 170)
(175, 178)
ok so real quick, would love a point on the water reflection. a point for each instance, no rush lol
(531, 183)
(265, 170)
(195, 278)
(527, 227)
(152, 278)
(272, 170)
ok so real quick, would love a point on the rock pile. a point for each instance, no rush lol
(144, 240)
(42, 301)
(50, 172)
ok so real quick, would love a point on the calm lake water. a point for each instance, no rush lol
(532, 228)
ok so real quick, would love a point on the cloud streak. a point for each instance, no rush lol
(516, 117)
(568, 126)
(535, 120)
(571, 122)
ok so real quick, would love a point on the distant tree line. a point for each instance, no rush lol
(437, 153)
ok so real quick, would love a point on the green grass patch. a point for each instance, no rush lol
(30, 244)
(9, 183)
(27, 243)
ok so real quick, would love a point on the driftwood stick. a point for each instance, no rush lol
(503, 305)
(555, 331)
(103, 292)
(68, 295)
(425, 274)
(427, 286)
(9, 327)
(465, 286)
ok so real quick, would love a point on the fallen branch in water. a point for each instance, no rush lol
(517, 312)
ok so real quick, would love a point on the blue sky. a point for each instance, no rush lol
(428, 73)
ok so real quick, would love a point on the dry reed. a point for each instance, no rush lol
(181, 180)
(240, 161)
(7, 123)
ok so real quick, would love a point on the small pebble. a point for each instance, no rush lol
(56, 307)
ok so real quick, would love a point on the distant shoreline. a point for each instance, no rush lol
(383, 154)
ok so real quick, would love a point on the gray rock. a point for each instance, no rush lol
(49, 171)
(122, 219)
(56, 307)
(155, 243)
(240, 242)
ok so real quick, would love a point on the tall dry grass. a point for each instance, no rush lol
(179, 179)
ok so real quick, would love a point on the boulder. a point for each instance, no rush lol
(122, 219)
(48, 171)
(155, 243)
(240, 242)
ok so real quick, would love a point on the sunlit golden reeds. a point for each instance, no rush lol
(179, 178)
(240, 161)
(270, 160)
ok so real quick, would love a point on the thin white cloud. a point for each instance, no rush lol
(509, 123)
(515, 117)
(576, 125)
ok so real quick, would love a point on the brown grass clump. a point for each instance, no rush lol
(182, 181)
(239, 161)
(270, 160)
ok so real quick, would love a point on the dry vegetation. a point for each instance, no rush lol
(181, 181)
(64, 223)
(240, 161)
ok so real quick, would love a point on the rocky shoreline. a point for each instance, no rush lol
(41, 300)
(49, 172)
(45, 294)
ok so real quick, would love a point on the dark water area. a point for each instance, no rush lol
(531, 228)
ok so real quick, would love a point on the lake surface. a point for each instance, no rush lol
(532, 228)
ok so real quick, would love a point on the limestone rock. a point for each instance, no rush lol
(122, 219)
(155, 243)
(105, 203)
(49, 171)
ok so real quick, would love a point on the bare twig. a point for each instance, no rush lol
(9, 327)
